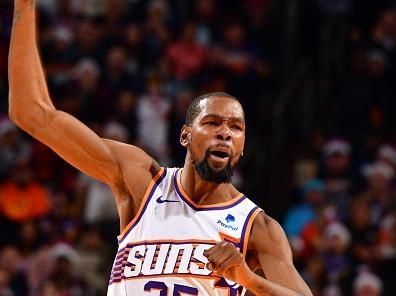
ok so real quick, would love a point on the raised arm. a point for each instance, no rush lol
(31, 108)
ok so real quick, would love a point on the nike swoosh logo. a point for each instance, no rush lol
(160, 201)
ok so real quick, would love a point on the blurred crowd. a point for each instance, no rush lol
(342, 228)
(129, 68)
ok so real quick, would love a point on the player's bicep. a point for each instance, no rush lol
(275, 256)
(78, 145)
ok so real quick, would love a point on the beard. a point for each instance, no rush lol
(209, 174)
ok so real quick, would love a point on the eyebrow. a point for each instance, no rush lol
(216, 116)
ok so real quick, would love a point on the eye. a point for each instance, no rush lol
(236, 127)
(212, 123)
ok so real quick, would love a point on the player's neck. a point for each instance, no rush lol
(203, 192)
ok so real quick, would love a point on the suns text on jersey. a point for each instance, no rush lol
(147, 259)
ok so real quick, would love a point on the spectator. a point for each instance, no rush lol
(126, 114)
(10, 263)
(58, 56)
(156, 30)
(153, 120)
(239, 62)
(93, 252)
(64, 276)
(337, 240)
(49, 289)
(338, 183)
(177, 119)
(12, 147)
(186, 56)
(89, 37)
(364, 232)
(91, 8)
(136, 56)
(384, 32)
(314, 274)
(21, 198)
(367, 284)
(29, 239)
(388, 254)
(312, 233)
(87, 75)
(379, 190)
(387, 154)
(205, 17)
(299, 216)
(5, 289)
(116, 75)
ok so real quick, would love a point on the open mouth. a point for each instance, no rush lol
(219, 154)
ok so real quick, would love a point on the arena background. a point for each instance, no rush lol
(317, 81)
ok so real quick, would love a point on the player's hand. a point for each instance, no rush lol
(228, 262)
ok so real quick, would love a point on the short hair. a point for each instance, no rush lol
(194, 110)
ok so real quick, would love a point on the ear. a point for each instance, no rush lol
(185, 135)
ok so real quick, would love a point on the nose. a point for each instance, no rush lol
(224, 134)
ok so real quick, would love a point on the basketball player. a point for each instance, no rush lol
(184, 231)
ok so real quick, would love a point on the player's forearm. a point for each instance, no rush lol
(262, 287)
(28, 97)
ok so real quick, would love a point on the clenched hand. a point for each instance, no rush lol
(228, 262)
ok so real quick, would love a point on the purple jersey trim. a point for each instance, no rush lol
(243, 234)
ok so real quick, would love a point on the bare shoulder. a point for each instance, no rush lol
(268, 236)
(126, 153)
(136, 166)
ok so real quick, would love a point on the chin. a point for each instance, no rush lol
(218, 168)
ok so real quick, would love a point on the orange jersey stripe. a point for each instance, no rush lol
(249, 228)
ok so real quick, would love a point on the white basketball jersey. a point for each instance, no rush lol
(161, 250)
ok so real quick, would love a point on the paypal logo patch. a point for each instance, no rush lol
(229, 219)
